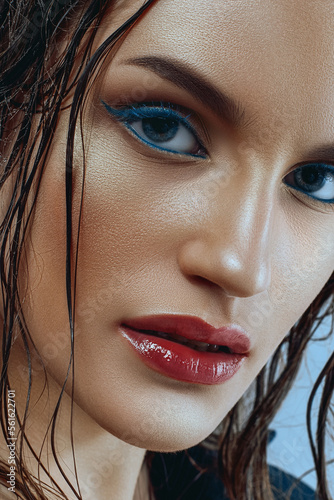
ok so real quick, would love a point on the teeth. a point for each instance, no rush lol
(213, 348)
(202, 347)
(194, 344)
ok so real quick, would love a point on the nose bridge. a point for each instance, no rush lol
(234, 248)
(245, 252)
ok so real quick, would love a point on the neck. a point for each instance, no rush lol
(106, 466)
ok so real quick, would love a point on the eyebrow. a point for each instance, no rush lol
(325, 152)
(188, 79)
(222, 105)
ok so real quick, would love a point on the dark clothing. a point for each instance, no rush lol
(185, 482)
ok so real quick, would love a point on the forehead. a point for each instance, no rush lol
(294, 31)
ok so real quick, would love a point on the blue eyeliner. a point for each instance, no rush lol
(324, 168)
(132, 113)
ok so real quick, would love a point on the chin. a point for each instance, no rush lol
(170, 437)
(162, 444)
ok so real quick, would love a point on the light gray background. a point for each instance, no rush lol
(290, 450)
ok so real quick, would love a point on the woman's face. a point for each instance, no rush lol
(192, 206)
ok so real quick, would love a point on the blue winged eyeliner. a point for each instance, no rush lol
(168, 114)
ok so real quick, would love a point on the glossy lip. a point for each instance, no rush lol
(180, 361)
(194, 328)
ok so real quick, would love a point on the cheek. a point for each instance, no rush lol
(43, 285)
(309, 264)
(131, 218)
(42, 279)
(303, 264)
(118, 243)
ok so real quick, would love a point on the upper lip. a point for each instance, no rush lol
(193, 328)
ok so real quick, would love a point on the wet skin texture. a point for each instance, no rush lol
(165, 233)
(219, 235)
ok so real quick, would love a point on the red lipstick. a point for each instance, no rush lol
(187, 348)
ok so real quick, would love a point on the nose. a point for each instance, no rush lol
(232, 246)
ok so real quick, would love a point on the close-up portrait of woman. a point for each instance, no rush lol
(166, 246)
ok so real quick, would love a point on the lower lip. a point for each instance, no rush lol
(180, 362)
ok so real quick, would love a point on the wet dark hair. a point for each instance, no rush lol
(31, 87)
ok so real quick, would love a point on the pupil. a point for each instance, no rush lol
(310, 178)
(160, 129)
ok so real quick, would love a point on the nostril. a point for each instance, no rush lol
(204, 282)
(239, 267)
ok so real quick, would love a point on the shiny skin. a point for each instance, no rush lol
(162, 233)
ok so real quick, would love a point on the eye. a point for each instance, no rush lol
(315, 180)
(160, 126)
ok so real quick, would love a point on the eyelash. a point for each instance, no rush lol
(128, 115)
(176, 115)
(324, 171)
